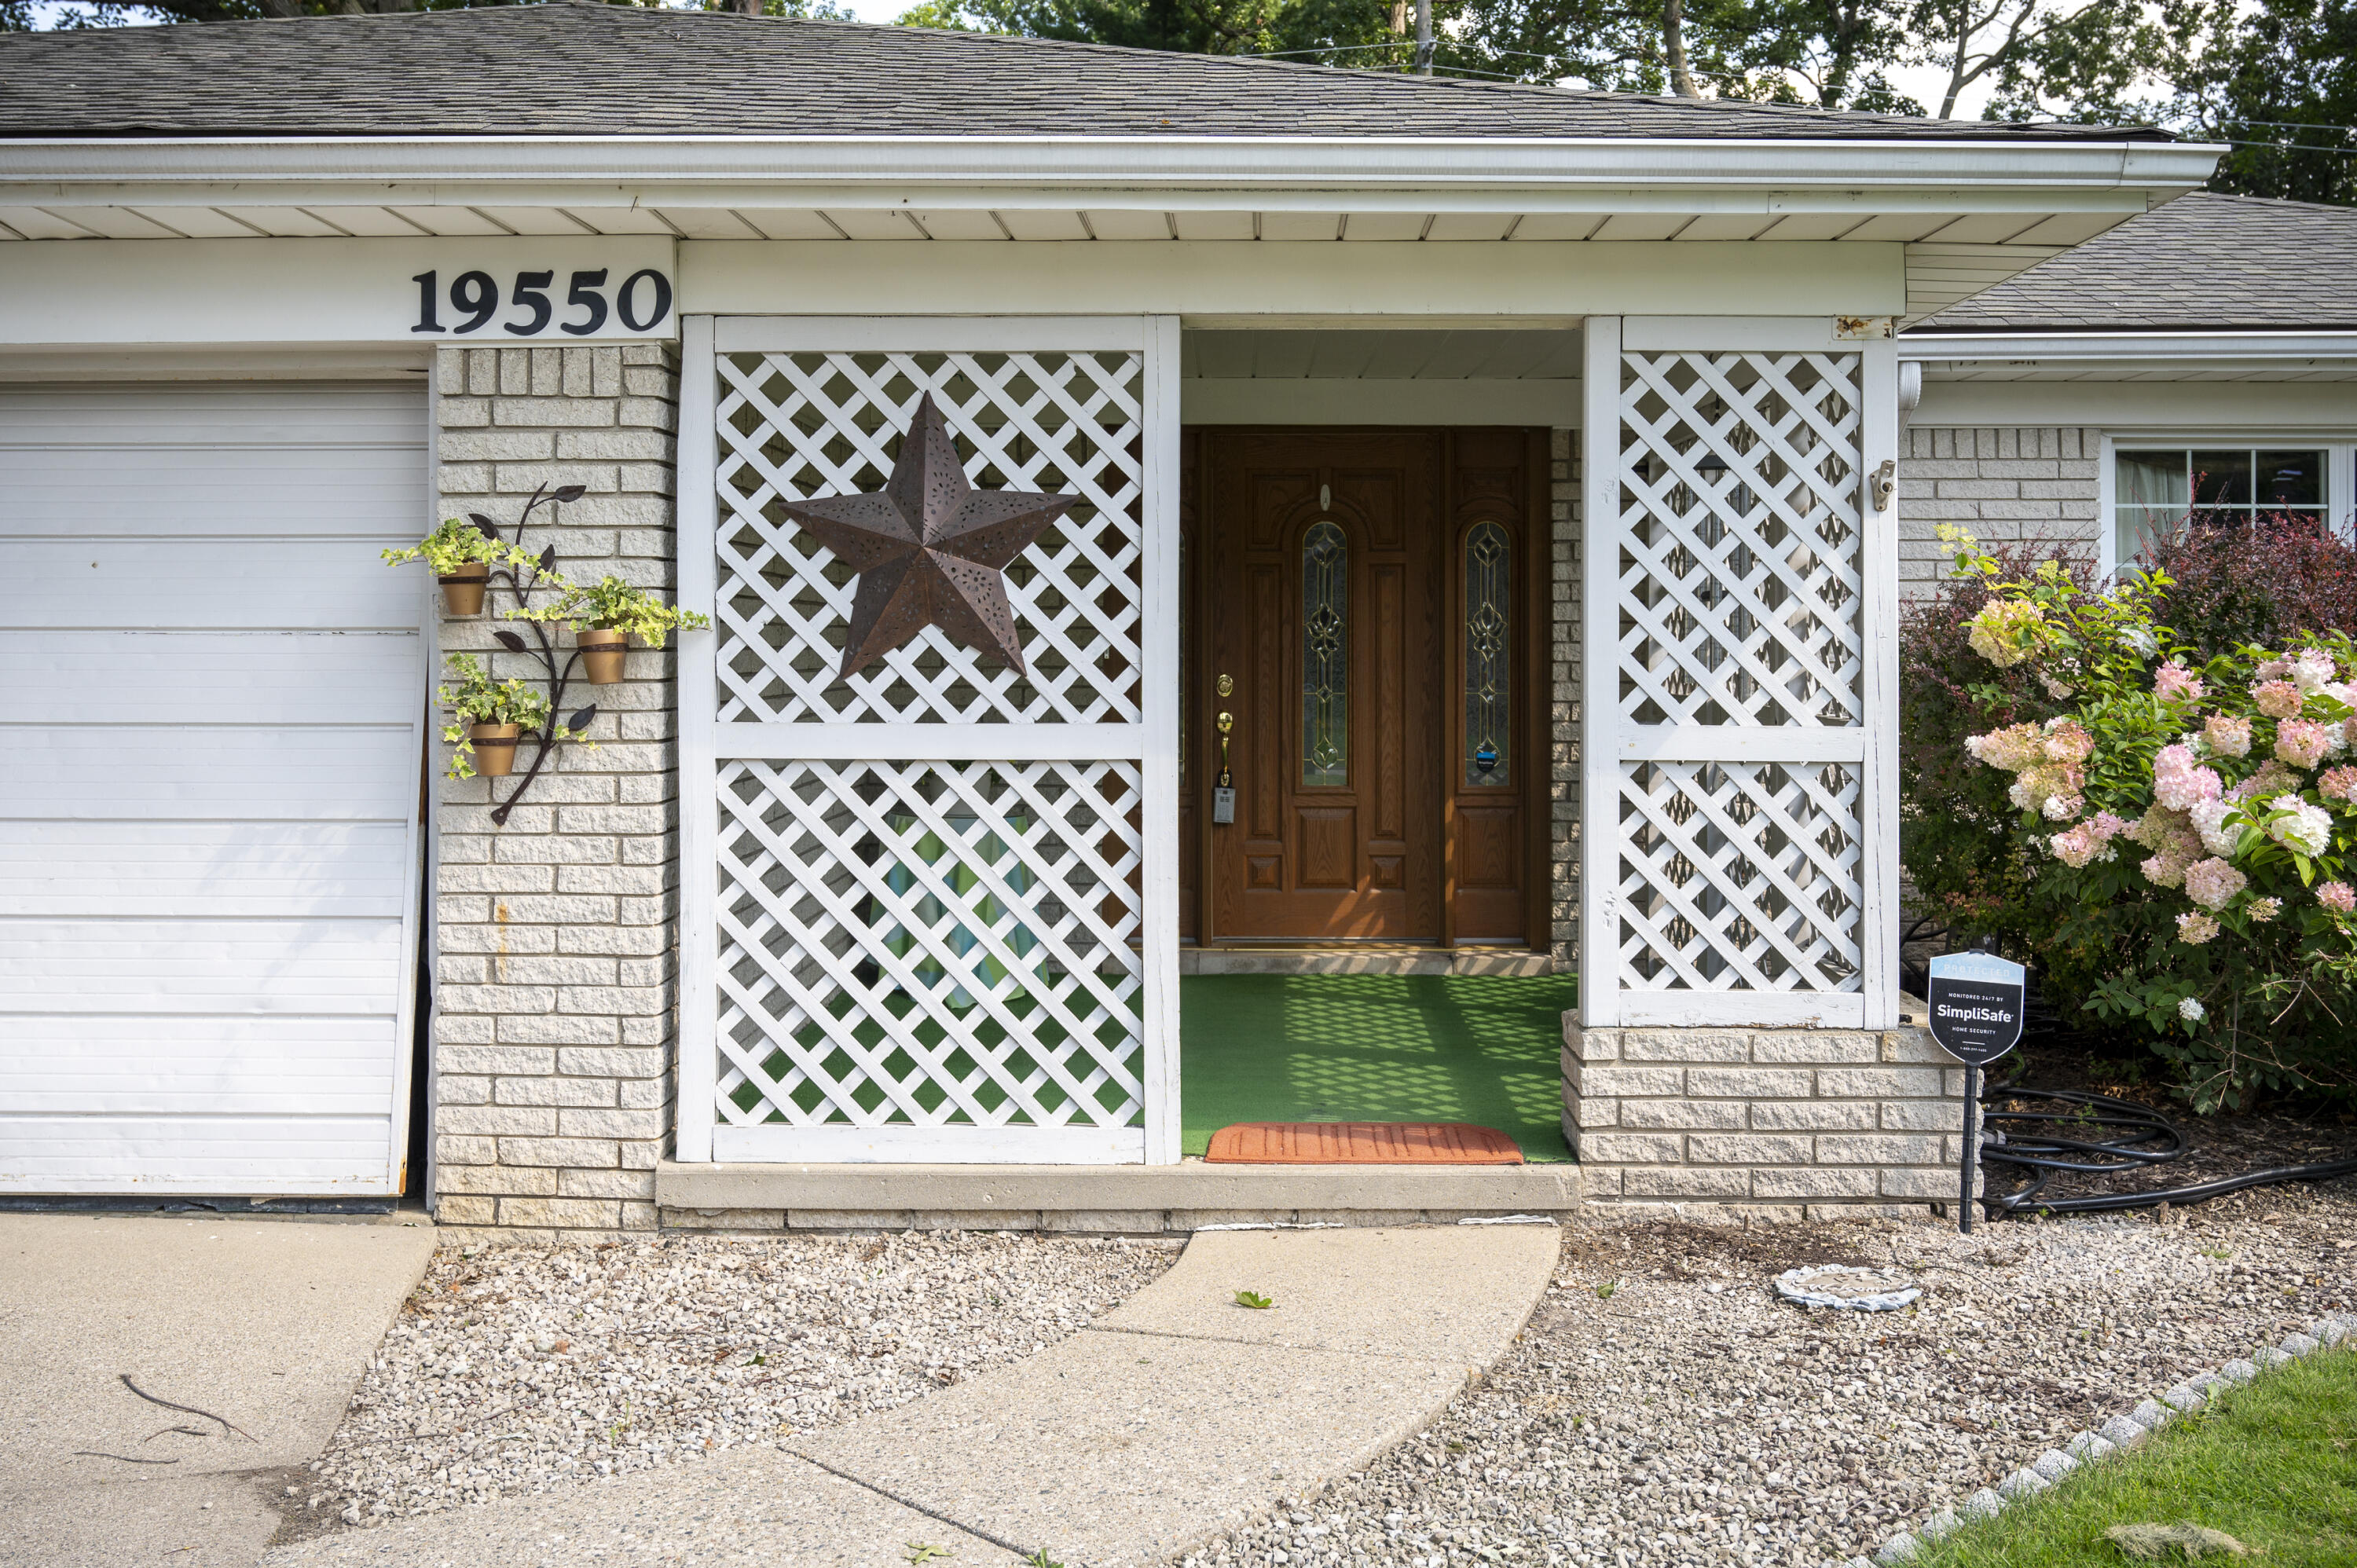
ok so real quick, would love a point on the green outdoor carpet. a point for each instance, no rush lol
(1375, 1047)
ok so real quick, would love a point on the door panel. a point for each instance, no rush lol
(1497, 599)
(1342, 846)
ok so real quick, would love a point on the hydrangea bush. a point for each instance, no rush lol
(2184, 825)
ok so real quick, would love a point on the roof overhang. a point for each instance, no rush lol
(2324, 353)
(1113, 172)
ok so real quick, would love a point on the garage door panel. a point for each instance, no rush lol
(312, 1155)
(161, 772)
(233, 492)
(288, 415)
(213, 730)
(194, 870)
(325, 679)
(171, 583)
(348, 967)
(197, 1065)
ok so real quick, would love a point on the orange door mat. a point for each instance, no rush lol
(1361, 1143)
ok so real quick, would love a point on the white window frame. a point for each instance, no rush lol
(2339, 449)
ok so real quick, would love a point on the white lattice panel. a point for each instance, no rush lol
(1740, 690)
(930, 910)
(1740, 569)
(925, 944)
(1740, 877)
(795, 426)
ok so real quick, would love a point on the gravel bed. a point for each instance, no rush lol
(1662, 1408)
(519, 1369)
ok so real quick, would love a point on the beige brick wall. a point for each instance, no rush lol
(1763, 1116)
(1564, 673)
(556, 953)
(2010, 485)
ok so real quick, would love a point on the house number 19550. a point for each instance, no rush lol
(642, 303)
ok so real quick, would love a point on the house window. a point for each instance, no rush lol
(2154, 487)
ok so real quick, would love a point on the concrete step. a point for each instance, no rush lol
(1099, 1199)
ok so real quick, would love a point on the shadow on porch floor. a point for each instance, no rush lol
(1375, 1047)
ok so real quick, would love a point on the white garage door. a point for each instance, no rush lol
(211, 702)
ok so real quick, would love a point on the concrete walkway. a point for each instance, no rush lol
(264, 1323)
(1177, 1416)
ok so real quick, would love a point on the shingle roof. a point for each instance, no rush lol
(2201, 263)
(594, 69)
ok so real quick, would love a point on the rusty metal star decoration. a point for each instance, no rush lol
(929, 549)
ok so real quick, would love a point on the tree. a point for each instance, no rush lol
(2280, 83)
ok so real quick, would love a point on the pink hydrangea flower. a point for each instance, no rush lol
(2228, 737)
(2310, 669)
(2337, 783)
(2337, 897)
(2008, 750)
(2212, 883)
(2173, 682)
(2272, 779)
(2277, 699)
(2303, 742)
(2265, 909)
(2091, 840)
(2272, 670)
(2195, 929)
(2177, 783)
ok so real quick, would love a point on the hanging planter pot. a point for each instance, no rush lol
(462, 591)
(495, 749)
(602, 654)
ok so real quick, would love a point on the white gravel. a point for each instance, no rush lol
(516, 1370)
(1689, 1418)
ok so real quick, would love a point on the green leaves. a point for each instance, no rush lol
(1604, 1292)
(457, 544)
(612, 604)
(1254, 1300)
(920, 1552)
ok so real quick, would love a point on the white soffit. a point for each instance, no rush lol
(1508, 354)
(1077, 189)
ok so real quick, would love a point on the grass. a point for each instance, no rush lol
(2273, 1464)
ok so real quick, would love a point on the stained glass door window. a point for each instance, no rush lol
(1325, 656)
(1489, 679)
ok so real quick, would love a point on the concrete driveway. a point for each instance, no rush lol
(258, 1328)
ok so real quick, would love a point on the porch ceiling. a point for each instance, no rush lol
(1380, 355)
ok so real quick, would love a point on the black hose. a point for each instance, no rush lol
(2049, 1141)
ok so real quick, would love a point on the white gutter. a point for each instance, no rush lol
(1963, 174)
(1961, 349)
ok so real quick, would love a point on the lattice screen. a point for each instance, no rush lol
(796, 426)
(929, 931)
(1733, 705)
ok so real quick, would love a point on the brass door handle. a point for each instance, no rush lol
(1225, 723)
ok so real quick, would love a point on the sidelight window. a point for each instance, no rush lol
(1488, 722)
(1325, 656)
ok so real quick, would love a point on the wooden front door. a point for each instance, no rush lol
(1373, 599)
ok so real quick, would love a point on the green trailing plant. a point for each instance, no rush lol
(456, 545)
(476, 699)
(612, 604)
(1254, 1300)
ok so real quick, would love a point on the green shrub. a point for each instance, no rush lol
(2161, 828)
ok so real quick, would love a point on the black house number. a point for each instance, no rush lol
(642, 303)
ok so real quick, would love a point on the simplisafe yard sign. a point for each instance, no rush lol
(1976, 1000)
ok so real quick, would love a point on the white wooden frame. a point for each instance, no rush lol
(1151, 744)
(1607, 742)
